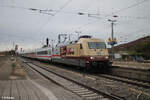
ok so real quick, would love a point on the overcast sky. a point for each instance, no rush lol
(29, 28)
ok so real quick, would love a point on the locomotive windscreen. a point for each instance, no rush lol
(97, 45)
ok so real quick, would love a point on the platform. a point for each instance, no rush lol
(18, 82)
(23, 90)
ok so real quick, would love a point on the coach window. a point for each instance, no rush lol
(42, 52)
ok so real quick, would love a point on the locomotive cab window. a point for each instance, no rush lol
(81, 46)
(97, 45)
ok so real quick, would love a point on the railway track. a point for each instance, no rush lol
(136, 82)
(125, 80)
(142, 74)
(139, 83)
(82, 90)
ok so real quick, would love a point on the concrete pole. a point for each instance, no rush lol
(112, 36)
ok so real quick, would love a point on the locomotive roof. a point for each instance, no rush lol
(80, 40)
(85, 36)
(90, 39)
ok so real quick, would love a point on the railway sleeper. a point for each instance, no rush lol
(81, 90)
(94, 97)
(82, 93)
(90, 95)
(76, 89)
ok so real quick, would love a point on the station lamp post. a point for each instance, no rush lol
(112, 41)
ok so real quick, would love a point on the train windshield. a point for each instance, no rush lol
(96, 45)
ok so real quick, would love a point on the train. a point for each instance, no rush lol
(86, 52)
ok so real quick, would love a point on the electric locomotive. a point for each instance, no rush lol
(86, 52)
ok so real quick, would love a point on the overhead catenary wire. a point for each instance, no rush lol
(43, 11)
(60, 8)
(123, 9)
(12, 6)
(80, 13)
(131, 34)
(51, 11)
(118, 11)
(131, 6)
(56, 11)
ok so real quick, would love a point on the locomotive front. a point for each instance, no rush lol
(95, 53)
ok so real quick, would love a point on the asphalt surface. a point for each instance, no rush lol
(5, 68)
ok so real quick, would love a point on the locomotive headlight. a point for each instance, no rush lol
(91, 58)
(106, 57)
